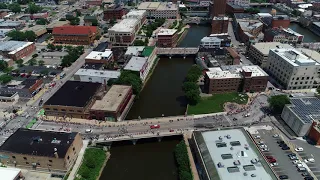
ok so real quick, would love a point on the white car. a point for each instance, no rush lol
(275, 135)
(265, 150)
(299, 149)
(257, 137)
(310, 160)
(299, 165)
(263, 146)
(296, 162)
(274, 164)
(261, 142)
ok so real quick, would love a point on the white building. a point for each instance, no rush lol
(259, 52)
(100, 57)
(166, 10)
(138, 64)
(10, 173)
(92, 75)
(216, 41)
(292, 69)
(124, 32)
(300, 114)
(242, 3)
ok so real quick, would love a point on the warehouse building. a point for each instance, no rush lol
(39, 149)
(16, 49)
(92, 75)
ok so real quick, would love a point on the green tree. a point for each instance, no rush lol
(35, 55)
(4, 78)
(130, 78)
(19, 62)
(188, 86)
(193, 96)
(51, 46)
(112, 21)
(146, 41)
(32, 62)
(42, 21)
(3, 6)
(95, 22)
(3, 65)
(44, 72)
(30, 36)
(33, 8)
(40, 62)
(182, 159)
(252, 10)
(14, 7)
(278, 102)
(74, 21)
(24, 2)
(138, 42)
(59, 47)
(295, 12)
(318, 90)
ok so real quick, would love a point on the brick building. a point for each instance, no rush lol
(16, 49)
(235, 78)
(314, 132)
(94, 2)
(231, 8)
(112, 106)
(282, 35)
(219, 7)
(167, 38)
(39, 16)
(39, 149)
(280, 21)
(219, 25)
(73, 99)
(113, 12)
(77, 35)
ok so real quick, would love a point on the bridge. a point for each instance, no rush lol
(197, 20)
(261, 4)
(134, 138)
(178, 51)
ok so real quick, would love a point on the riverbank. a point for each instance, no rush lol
(182, 34)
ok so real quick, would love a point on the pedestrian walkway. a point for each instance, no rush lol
(192, 162)
(77, 165)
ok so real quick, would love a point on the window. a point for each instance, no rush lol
(13, 157)
(297, 78)
(68, 157)
(63, 110)
(73, 148)
(50, 160)
(24, 158)
(221, 144)
(27, 162)
(302, 78)
(38, 164)
(55, 109)
(226, 156)
(307, 78)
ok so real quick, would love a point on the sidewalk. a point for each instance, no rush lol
(192, 162)
(76, 166)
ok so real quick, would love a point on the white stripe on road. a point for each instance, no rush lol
(230, 122)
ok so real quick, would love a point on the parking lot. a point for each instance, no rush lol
(285, 165)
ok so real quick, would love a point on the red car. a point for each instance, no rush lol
(272, 160)
(156, 126)
(269, 157)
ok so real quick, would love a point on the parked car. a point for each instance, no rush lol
(263, 146)
(291, 154)
(310, 160)
(275, 135)
(257, 137)
(280, 142)
(298, 149)
(285, 148)
(283, 177)
(293, 158)
(261, 142)
(296, 162)
(274, 164)
(302, 169)
(299, 165)
(265, 149)
(269, 157)
(308, 178)
(156, 126)
(272, 160)
(305, 174)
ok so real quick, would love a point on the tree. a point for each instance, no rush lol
(130, 78)
(318, 90)
(295, 12)
(195, 69)
(32, 62)
(19, 62)
(24, 2)
(278, 102)
(138, 42)
(95, 22)
(14, 7)
(59, 47)
(112, 21)
(51, 47)
(252, 10)
(193, 96)
(33, 8)
(35, 55)
(146, 41)
(44, 72)
(4, 78)
(3, 65)
(42, 21)
(188, 86)
(40, 62)
(3, 6)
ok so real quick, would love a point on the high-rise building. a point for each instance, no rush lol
(219, 7)
(219, 25)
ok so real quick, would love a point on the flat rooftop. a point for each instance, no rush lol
(250, 25)
(134, 50)
(159, 6)
(97, 55)
(125, 25)
(232, 154)
(306, 108)
(13, 46)
(98, 73)
(74, 93)
(9, 173)
(310, 53)
(38, 142)
(264, 47)
(234, 71)
(166, 32)
(136, 63)
(113, 99)
(294, 57)
(135, 14)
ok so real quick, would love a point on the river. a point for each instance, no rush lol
(148, 159)
(162, 95)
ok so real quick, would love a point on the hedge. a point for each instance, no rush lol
(182, 158)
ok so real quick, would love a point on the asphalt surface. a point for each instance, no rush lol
(286, 167)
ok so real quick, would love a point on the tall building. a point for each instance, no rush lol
(219, 25)
(292, 69)
(219, 7)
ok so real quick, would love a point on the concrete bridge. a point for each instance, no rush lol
(197, 20)
(178, 51)
(134, 138)
(261, 4)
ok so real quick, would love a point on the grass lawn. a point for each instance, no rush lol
(215, 103)
(92, 163)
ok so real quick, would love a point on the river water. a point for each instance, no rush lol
(162, 95)
(148, 159)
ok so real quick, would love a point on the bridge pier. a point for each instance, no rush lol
(170, 57)
(134, 141)
(184, 56)
(159, 139)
